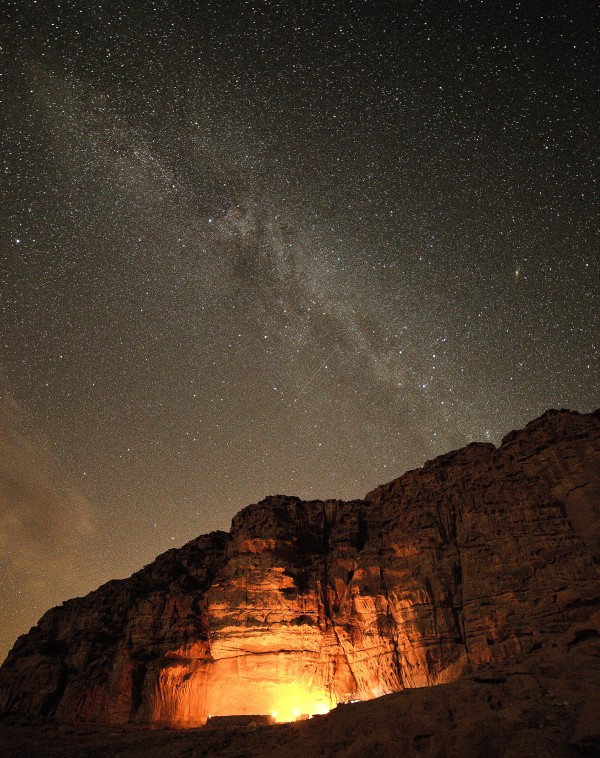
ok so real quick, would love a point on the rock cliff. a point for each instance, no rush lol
(479, 558)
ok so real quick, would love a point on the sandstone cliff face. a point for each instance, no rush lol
(478, 558)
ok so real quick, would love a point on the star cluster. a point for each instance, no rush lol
(264, 247)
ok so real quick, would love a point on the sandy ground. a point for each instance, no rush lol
(536, 709)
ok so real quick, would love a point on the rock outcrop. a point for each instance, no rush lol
(479, 558)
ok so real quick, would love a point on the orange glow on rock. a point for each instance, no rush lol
(295, 702)
(184, 693)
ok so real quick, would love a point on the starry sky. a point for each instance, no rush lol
(276, 247)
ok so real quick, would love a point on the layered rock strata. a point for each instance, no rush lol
(478, 558)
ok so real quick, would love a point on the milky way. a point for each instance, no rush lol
(265, 248)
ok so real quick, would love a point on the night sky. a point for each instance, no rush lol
(276, 247)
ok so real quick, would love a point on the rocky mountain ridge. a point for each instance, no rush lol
(482, 557)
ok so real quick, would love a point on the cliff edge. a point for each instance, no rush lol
(481, 558)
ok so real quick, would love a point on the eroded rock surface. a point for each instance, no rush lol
(479, 558)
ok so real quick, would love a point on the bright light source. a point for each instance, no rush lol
(295, 702)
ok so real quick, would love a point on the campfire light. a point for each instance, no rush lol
(297, 704)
